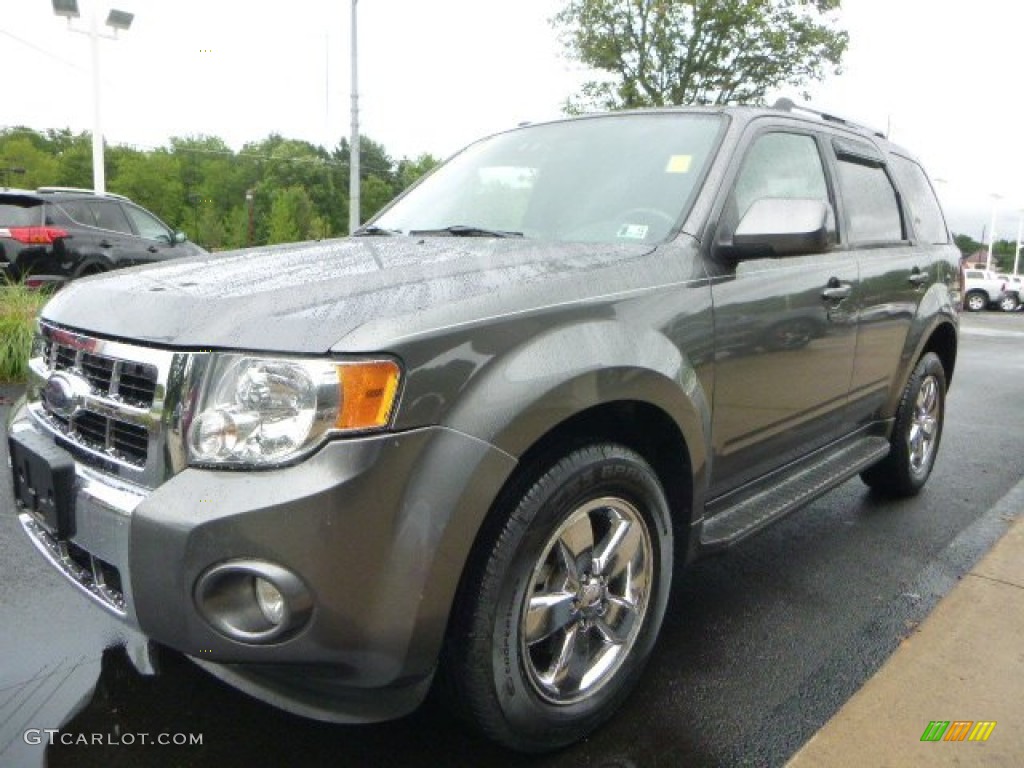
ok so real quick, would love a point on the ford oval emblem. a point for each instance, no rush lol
(61, 395)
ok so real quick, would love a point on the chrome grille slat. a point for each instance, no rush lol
(118, 425)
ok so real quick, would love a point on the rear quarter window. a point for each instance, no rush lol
(18, 214)
(929, 224)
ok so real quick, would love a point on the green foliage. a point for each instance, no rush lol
(661, 52)
(410, 171)
(374, 194)
(198, 183)
(968, 245)
(22, 153)
(18, 309)
(291, 216)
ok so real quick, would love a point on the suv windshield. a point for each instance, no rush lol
(623, 178)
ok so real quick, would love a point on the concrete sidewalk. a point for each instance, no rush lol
(964, 663)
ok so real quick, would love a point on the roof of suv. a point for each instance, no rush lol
(58, 193)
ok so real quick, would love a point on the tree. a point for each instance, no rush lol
(374, 194)
(37, 167)
(661, 52)
(968, 245)
(409, 171)
(291, 216)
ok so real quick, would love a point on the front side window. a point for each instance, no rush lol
(872, 208)
(148, 226)
(780, 165)
(622, 178)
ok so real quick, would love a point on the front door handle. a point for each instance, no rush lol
(152, 249)
(105, 244)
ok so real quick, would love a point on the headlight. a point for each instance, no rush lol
(265, 411)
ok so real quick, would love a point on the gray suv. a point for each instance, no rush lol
(468, 447)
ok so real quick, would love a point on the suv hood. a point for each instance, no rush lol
(308, 297)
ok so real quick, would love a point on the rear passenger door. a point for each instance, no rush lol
(894, 271)
(783, 349)
(115, 238)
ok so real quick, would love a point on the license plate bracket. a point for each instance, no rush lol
(44, 481)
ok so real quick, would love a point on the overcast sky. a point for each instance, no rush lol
(436, 74)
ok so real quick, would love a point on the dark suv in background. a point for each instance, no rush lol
(55, 234)
(467, 447)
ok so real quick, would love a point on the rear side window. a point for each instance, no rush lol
(872, 207)
(109, 216)
(79, 212)
(18, 214)
(929, 225)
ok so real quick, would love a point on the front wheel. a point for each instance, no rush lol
(557, 616)
(916, 433)
(1008, 303)
(976, 301)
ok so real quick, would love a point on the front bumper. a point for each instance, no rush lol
(377, 528)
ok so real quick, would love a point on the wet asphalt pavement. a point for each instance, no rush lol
(760, 646)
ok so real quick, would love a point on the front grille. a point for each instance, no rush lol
(106, 407)
(131, 382)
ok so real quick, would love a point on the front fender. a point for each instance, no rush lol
(522, 395)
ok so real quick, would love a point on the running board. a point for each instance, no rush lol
(754, 509)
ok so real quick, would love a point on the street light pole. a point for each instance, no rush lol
(1020, 231)
(99, 176)
(353, 155)
(116, 20)
(992, 230)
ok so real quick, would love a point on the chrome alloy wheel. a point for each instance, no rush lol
(924, 424)
(586, 600)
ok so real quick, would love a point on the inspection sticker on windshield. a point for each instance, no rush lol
(632, 231)
(679, 164)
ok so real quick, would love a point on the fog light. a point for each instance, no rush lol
(253, 601)
(270, 601)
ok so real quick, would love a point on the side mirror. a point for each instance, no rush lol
(783, 227)
(180, 237)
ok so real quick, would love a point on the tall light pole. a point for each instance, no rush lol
(1020, 231)
(353, 145)
(116, 20)
(992, 230)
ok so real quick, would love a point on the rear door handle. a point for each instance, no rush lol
(105, 244)
(836, 291)
(153, 249)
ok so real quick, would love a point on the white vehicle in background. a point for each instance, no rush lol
(983, 289)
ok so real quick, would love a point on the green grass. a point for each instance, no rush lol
(18, 309)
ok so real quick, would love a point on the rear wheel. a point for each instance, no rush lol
(561, 609)
(916, 433)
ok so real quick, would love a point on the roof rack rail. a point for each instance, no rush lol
(80, 191)
(788, 105)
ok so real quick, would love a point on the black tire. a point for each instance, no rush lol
(490, 670)
(1008, 303)
(975, 301)
(914, 443)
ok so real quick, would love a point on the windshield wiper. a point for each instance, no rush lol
(375, 231)
(464, 230)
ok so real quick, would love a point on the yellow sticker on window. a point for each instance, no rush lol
(679, 164)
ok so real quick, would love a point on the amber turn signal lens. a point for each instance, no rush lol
(367, 393)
